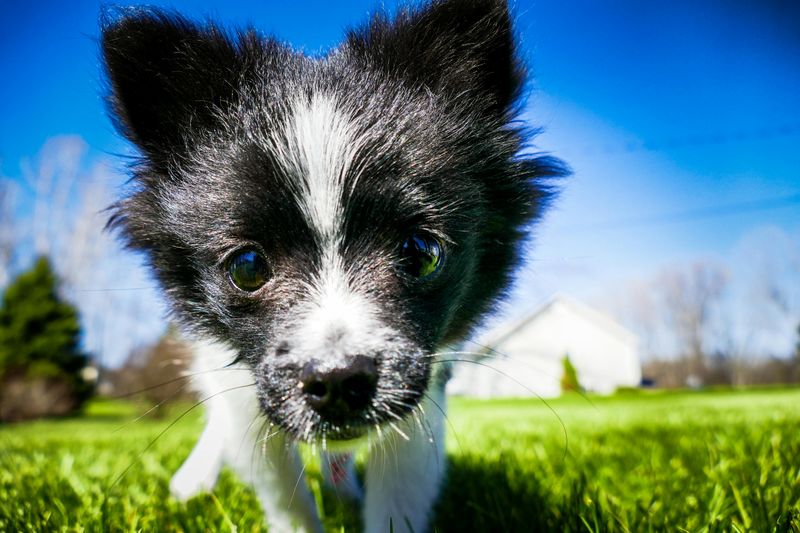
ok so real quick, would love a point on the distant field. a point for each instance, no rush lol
(703, 461)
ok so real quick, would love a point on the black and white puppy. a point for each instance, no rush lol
(326, 225)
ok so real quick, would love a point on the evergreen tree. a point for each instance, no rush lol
(40, 332)
(569, 379)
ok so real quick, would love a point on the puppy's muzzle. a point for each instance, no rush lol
(342, 392)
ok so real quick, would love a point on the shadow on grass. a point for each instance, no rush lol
(499, 495)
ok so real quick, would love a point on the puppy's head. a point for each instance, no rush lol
(332, 219)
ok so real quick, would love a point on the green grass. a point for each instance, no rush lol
(708, 461)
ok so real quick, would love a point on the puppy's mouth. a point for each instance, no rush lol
(342, 415)
(344, 435)
(306, 425)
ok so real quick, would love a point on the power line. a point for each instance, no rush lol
(689, 214)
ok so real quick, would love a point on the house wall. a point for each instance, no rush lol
(502, 377)
(604, 358)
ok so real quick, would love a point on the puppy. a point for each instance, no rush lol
(322, 227)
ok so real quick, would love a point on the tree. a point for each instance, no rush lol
(797, 346)
(156, 374)
(39, 342)
(690, 297)
(66, 194)
(569, 379)
(7, 229)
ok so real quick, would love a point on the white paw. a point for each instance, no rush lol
(185, 485)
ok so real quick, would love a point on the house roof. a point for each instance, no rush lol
(506, 330)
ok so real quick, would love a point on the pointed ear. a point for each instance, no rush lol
(448, 46)
(166, 76)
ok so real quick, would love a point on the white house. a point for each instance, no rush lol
(525, 357)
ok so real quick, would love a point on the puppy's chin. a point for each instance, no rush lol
(347, 435)
(349, 439)
(336, 439)
(345, 442)
(302, 424)
(342, 436)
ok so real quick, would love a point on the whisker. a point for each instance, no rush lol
(447, 419)
(263, 428)
(433, 442)
(382, 445)
(393, 445)
(264, 440)
(296, 484)
(241, 443)
(499, 354)
(515, 380)
(169, 426)
(392, 414)
(119, 289)
(270, 435)
(173, 380)
(254, 447)
(153, 408)
(399, 431)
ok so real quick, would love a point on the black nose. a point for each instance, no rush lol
(338, 393)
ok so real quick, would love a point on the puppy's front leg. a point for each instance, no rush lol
(277, 474)
(200, 470)
(405, 471)
(271, 464)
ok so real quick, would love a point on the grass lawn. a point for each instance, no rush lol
(688, 461)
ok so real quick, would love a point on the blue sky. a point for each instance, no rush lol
(660, 109)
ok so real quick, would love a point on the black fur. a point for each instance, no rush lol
(433, 92)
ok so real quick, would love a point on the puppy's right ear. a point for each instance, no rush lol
(167, 76)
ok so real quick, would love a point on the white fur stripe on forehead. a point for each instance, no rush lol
(336, 321)
(318, 145)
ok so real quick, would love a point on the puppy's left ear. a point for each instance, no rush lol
(448, 46)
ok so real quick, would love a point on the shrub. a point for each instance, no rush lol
(569, 379)
(155, 374)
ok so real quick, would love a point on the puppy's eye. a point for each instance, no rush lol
(248, 270)
(421, 255)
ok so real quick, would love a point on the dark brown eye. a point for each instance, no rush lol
(421, 256)
(248, 270)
